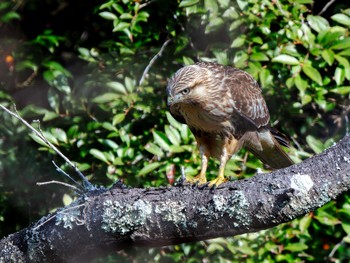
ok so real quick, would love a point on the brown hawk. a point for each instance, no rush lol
(225, 110)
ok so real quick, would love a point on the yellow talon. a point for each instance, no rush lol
(200, 179)
(218, 180)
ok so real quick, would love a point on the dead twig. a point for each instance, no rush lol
(86, 184)
(159, 54)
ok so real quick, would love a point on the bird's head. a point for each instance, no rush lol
(188, 85)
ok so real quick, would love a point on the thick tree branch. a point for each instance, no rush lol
(105, 220)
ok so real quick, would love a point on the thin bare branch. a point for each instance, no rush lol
(58, 182)
(159, 54)
(86, 184)
(326, 7)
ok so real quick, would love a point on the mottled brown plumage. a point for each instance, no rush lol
(225, 110)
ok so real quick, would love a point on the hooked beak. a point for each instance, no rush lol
(173, 99)
(170, 100)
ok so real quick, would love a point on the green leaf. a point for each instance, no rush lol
(54, 100)
(121, 26)
(129, 84)
(345, 52)
(111, 144)
(161, 139)
(238, 42)
(313, 74)
(10, 16)
(214, 25)
(109, 126)
(328, 56)
(346, 227)
(99, 155)
(214, 248)
(49, 115)
(60, 134)
(176, 149)
(108, 15)
(342, 61)
(339, 75)
(187, 61)
(301, 84)
(67, 199)
(316, 145)
(295, 247)
(173, 134)
(341, 19)
(345, 90)
(259, 56)
(118, 118)
(342, 44)
(327, 219)
(117, 86)
(304, 223)
(105, 98)
(318, 23)
(154, 149)
(149, 168)
(286, 59)
(187, 3)
(172, 121)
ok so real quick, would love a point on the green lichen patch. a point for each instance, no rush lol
(122, 219)
(172, 211)
(235, 206)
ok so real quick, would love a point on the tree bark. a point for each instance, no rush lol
(106, 220)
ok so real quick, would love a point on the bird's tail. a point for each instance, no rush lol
(269, 150)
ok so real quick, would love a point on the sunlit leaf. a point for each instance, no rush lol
(286, 59)
(108, 15)
(313, 74)
(342, 44)
(342, 61)
(154, 149)
(294, 247)
(316, 145)
(318, 23)
(173, 134)
(67, 199)
(99, 155)
(187, 3)
(161, 139)
(341, 90)
(118, 118)
(339, 75)
(117, 87)
(149, 168)
(341, 19)
(328, 56)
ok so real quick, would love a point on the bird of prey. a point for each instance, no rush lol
(225, 110)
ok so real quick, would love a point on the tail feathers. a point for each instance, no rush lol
(268, 150)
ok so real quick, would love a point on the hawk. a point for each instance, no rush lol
(225, 110)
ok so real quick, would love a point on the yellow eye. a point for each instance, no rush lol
(185, 91)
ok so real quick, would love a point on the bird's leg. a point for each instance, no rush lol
(201, 178)
(223, 160)
(230, 146)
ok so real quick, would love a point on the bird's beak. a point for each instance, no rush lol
(170, 100)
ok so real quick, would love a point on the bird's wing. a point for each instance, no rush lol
(246, 97)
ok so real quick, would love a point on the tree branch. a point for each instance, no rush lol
(102, 221)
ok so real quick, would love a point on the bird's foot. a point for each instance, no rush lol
(218, 180)
(199, 180)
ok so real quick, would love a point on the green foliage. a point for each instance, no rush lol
(85, 76)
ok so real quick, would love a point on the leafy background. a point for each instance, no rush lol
(77, 67)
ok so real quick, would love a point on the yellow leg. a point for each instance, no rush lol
(221, 177)
(201, 178)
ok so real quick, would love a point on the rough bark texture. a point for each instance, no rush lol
(105, 220)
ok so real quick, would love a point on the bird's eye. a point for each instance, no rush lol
(185, 91)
